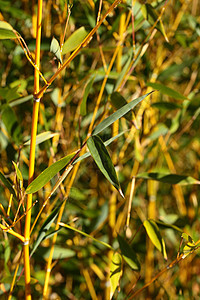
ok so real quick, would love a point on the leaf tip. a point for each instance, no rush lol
(121, 193)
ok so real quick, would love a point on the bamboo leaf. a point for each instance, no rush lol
(59, 252)
(85, 234)
(108, 142)
(128, 254)
(118, 101)
(40, 138)
(155, 236)
(74, 40)
(6, 31)
(167, 91)
(118, 114)
(170, 178)
(103, 160)
(7, 183)
(115, 272)
(151, 16)
(45, 227)
(83, 109)
(55, 49)
(18, 172)
(48, 174)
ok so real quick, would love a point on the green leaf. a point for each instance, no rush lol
(74, 40)
(103, 160)
(85, 234)
(118, 101)
(40, 138)
(18, 172)
(165, 106)
(167, 91)
(55, 49)
(7, 251)
(151, 16)
(83, 110)
(7, 183)
(108, 142)
(48, 174)
(118, 114)
(20, 282)
(128, 254)
(115, 272)
(59, 253)
(168, 225)
(123, 72)
(6, 31)
(155, 236)
(169, 178)
(45, 227)
(11, 123)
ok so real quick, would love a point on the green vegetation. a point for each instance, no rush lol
(100, 147)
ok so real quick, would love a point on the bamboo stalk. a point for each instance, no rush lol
(32, 154)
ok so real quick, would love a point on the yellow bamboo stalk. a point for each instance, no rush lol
(89, 284)
(32, 154)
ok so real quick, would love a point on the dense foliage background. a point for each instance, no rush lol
(161, 137)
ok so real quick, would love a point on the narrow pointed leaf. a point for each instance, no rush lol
(55, 49)
(118, 101)
(167, 91)
(18, 172)
(85, 234)
(40, 138)
(103, 160)
(151, 16)
(155, 236)
(6, 31)
(7, 183)
(45, 227)
(83, 109)
(170, 178)
(74, 40)
(115, 272)
(48, 174)
(118, 114)
(128, 254)
(106, 143)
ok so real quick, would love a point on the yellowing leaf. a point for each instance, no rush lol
(115, 272)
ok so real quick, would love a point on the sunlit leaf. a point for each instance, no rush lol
(40, 138)
(155, 236)
(118, 114)
(103, 160)
(128, 254)
(18, 172)
(74, 40)
(48, 174)
(169, 178)
(166, 90)
(55, 49)
(6, 31)
(115, 272)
